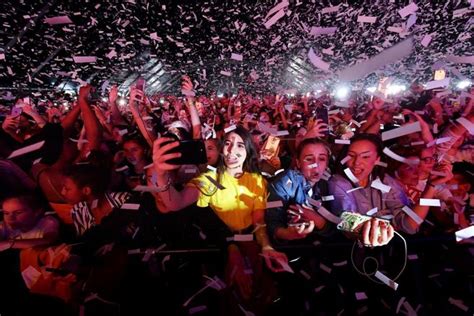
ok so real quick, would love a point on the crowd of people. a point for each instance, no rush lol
(97, 194)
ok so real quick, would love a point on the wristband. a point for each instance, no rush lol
(164, 187)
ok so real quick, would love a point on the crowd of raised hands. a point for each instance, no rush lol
(278, 169)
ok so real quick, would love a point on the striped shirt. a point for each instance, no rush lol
(82, 216)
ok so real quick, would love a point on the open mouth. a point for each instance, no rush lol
(231, 160)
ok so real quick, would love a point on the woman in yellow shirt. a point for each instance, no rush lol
(236, 192)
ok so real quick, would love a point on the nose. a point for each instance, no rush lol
(356, 161)
(230, 149)
(63, 191)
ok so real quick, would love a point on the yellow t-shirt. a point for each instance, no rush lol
(235, 204)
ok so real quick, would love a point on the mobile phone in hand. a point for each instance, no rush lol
(193, 152)
(353, 222)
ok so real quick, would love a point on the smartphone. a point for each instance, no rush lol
(93, 97)
(322, 114)
(140, 84)
(193, 152)
(353, 222)
(16, 111)
(270, 148)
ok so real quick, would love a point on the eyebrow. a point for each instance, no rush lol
(364, 152)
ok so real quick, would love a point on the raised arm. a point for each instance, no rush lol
(168, 199)
(91, 124)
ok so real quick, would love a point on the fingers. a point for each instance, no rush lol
(366, 232)
(383, 238)
(373, 236)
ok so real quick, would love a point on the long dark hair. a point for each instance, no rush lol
(251, 161)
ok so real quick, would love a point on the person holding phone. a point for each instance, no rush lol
(359, 190)
(236, 192)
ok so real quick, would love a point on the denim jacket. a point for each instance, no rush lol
(290, 187)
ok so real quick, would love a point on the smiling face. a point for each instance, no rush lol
(363, 157)
(234, 151)
(312, 162)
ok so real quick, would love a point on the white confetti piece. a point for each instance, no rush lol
(346, 159)
(243, 237)
(316, 30)
(351, 176)
(437, 84)
(459, 304)
(123, 168)
(327, 10)
(377, 184)
(305, 275)
(342, 141)
(409, 9)
(64, 19)
(360, 296)
(372, 212)
(366, 19)
(465, 233)
(226, 73)
(327, 198)
(26, 150)
(30, 275)
(396, 157)
(317, 61)
(426, 40)
(282, 133)
(274, 19)
(354, 189)
(325, 268)
(84, 59)
(461, 59)
(413, 215)
(274, 204)
(2, 56)
(313, 165)
(197, 309)
(313, 202)
(340, 264)
(130, 206)
(386, 57)
(387, 281)
(401, 131)
(229, 129)
(430, 202)
(468, 125)
(237, 57)
(211, 168)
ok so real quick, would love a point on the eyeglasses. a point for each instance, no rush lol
(429, 160)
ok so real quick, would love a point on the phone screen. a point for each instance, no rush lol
(193, 152)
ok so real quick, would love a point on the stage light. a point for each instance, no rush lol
(463, 84)
(342, 92)
(122, 102)
(395, 89)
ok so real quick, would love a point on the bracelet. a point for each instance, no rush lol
(163, 188)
